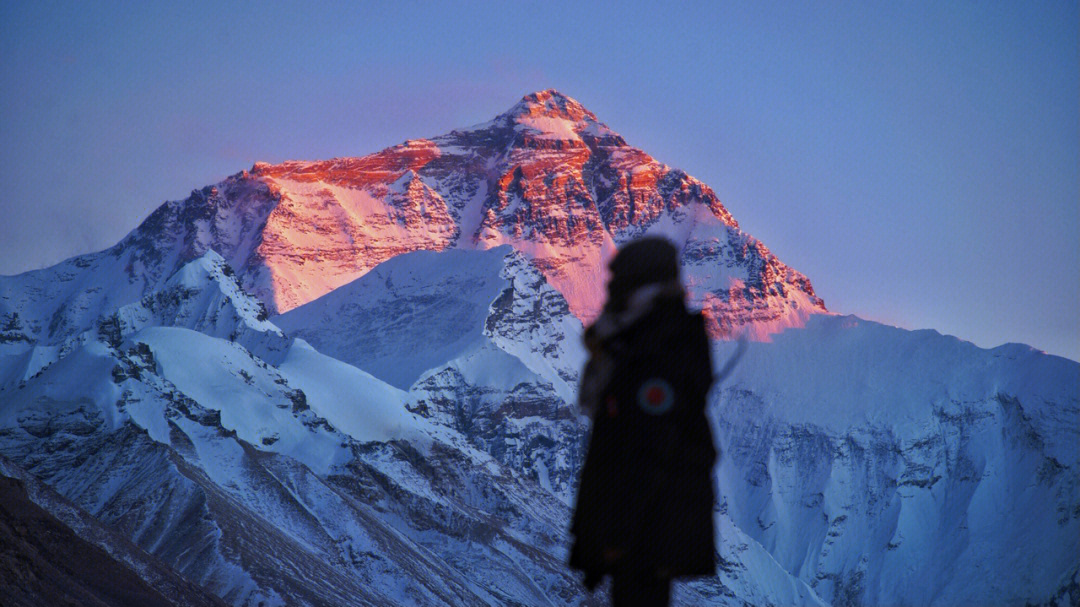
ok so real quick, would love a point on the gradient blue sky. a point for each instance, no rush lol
(918, 161)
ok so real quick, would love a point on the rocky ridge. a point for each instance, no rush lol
(236, 472)
(545, 177)
(352, 382)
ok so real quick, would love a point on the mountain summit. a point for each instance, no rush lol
(549, 116)
(545, 177)
(353, 382)
(551, 104)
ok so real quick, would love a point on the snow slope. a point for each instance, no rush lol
(546, 177)
(406, 315)
(207, 457)
(403, 429)
(881, 465)
(485, 346)
(223, 466)
(78, 566)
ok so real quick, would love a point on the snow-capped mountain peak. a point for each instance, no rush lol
(545, 177)
(547, 116)
(352, 382)
(550, 103)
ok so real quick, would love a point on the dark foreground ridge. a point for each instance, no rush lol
(44, 562)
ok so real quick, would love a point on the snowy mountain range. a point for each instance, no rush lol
(352, 382)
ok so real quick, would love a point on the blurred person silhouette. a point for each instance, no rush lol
(644, 507)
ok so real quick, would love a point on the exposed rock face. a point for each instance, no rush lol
(57, 303)
(217, 463)
(874, 463)
(69, 558)
(484, 345)
(545, 177)
(212, 460)
(406, 431)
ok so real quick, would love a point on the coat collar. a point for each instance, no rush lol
(641, 302)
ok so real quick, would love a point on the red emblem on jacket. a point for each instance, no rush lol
(655, 396)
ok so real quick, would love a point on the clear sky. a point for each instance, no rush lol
(917, 160)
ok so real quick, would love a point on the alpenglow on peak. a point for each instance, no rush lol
(552, 104)
(545, 177)
(542, 119)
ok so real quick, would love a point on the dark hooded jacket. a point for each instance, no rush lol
(645, 499)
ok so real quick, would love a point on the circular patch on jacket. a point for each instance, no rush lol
(655, 396)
